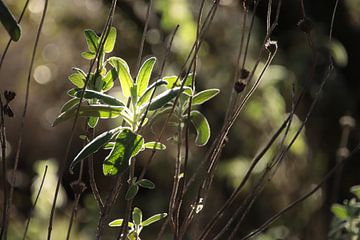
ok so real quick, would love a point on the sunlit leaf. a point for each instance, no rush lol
(92, 40)
(122, 68)
(339, 211)
(78, 78)
(155, 145)
(146, 183)
(171, 80)
(137, 216)
(110, 40)
(94, 146)
(131, 192)
(356, 190)
(202, 128)
(153, 219)
(9, 22)
(88, 55)
(127, 145)
(119, 223)
(93, 121)
(102, 97)
(143, 77)
(101, 111)
(148, 92)
(204, 96)
(70, 104)
(162, 99)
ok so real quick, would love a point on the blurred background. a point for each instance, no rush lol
(313, 154)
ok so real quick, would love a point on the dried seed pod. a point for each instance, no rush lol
(9, 95)
(305, 25)
(244, 73)
(78, 187)
(7, 111)
(239, 86)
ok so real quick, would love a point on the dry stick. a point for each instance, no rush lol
(3, 158)
(35, 202)
(22, 126)
(187, 128)
(321, 87)
(302, 198)
(124, 229)
(79, 187)
(10, 41)
(63, 163)
(206, 25)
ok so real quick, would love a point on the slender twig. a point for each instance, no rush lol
(23, 117)
(302, 198)
(35, 202)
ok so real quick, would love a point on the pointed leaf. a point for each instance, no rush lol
(339, 211)
(78, 79)
(171, 80)
(153, 219)
(204, 96)
(122, 68)
(127, 145)
(162, 99)
(137, 216)
(70, 104)
(119, 222)
(110, 40)
(356, 190)
(143, 77)
(88, 55)
(155, 145)
(93, 146)
(9, 22)
(146, 183)
(131, 192)
(101, 111)
(93, 121)
(202, 128)
(102, 97)
(92, 40)
(148, 92)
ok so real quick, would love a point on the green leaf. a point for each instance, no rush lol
(88, 55)
(145, 183)
(137, 216)
(148, 92)
(102, 97)
(78, 78)
(143, 77)
(153, 219)
(134, 96)
(111, 75)
(92, 40)
(171, 80)
(70, 104)
(339, 211)
(202, 128)
(204, 96)
(131, 192)
(155, 145)
(93, 121)
(9, 22)
(110, 40)
(119, 223)
(356, 190)
(127, 145)
(93, 146)
(189, 80)
(109, 145)
(162, 99)
(101, 111)
(122, 68)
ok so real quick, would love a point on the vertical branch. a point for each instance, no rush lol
(35, 202)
